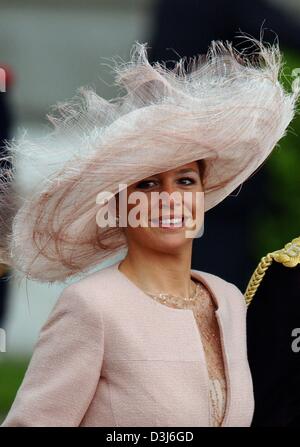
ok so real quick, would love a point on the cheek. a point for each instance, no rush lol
(198, 202)
(193, 202)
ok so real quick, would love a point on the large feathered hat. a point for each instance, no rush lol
(225, 108)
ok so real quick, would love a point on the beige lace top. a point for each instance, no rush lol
(204, 312)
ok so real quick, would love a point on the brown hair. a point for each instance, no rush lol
(109, 241)
(201, 166)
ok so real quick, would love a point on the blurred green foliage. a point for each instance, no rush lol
(279, 222)
(12, 371)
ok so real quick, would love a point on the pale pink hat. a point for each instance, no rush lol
(225, 108)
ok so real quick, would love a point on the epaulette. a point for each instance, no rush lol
(289, 256)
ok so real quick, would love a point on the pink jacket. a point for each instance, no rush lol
(109, 355)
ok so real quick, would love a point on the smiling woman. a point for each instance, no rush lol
(147, 341)
(170, 202)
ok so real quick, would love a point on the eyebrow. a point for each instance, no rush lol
(181, 171)
(185, 170)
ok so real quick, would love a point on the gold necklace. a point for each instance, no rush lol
(175, 299)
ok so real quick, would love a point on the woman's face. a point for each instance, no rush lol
(166, 235)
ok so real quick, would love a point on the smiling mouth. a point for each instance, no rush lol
(168, 222)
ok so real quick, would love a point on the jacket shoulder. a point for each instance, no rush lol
(221, 286)
(93, 289)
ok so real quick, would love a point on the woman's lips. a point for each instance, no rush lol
(176, 222)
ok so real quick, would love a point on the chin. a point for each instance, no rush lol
(168, 242)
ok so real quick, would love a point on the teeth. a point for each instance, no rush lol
(171, 221)
(168, 221)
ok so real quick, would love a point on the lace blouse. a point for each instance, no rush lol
(204, 312)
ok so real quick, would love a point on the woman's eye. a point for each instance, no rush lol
(191, 180)
(144, 183)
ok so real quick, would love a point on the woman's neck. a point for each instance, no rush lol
(157, 272)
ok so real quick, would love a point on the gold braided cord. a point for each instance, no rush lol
(289, 256)
(257, 277)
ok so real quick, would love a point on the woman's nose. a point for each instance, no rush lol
(169, 187)
(174, 195)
